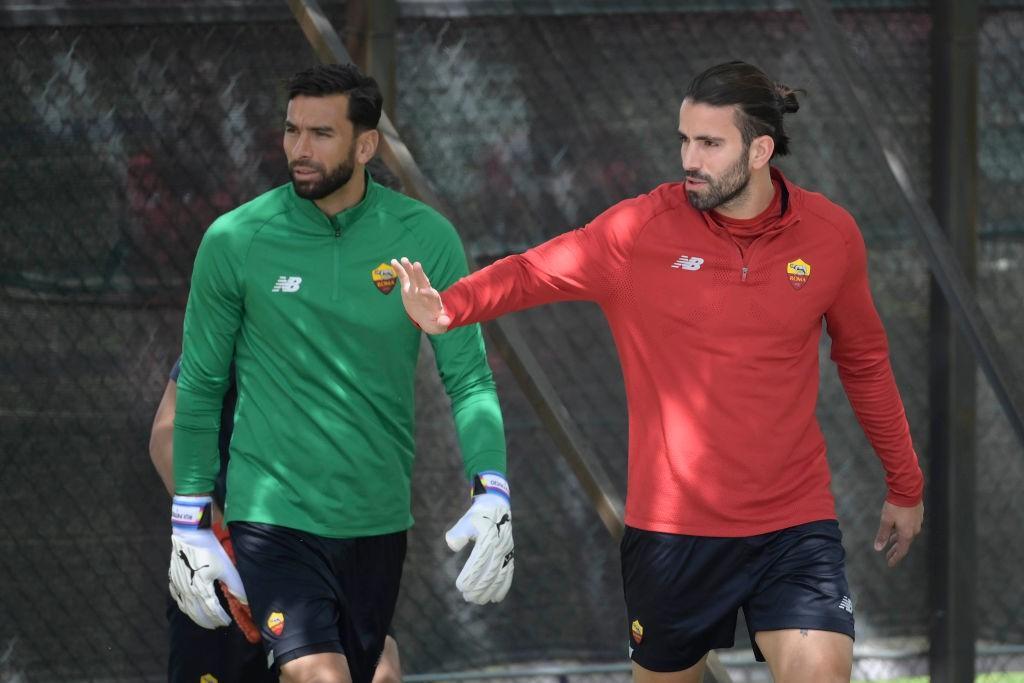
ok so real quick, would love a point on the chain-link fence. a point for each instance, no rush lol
(1000, 468)
(123, 140)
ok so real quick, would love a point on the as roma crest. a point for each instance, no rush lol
(384, 278)
(636, 629)
(275, 622)
(799, 272)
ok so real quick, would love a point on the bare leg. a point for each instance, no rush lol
(389, 668)
(807, 656)
(323, 667)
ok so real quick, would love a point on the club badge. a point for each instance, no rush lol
(384, 278)
(636, 629)
(275, 622)
(799, 273)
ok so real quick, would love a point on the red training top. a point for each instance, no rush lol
(719, 349)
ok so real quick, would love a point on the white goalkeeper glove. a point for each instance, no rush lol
(197, 561)
(487, 574)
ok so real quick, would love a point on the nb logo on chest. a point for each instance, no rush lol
(287, 284)
(685, 262)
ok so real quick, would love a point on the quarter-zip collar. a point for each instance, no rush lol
(319, 223)
(791, 202)
(745, 230)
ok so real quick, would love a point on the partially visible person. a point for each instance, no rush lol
(231, 654)
(715, 289)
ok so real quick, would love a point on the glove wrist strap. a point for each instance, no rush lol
(191, 512)
(491, 482)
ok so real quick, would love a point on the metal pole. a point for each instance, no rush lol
(504, 332)
(953, 372)
(370, 39)
(933, 243)
(509, 342)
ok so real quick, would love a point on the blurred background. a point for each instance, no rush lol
(129, 125)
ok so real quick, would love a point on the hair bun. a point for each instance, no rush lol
(786, 97)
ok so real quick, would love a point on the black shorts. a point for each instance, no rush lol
(682, 592)
(310, 594)
(222, 655)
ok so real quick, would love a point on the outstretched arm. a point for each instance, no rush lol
(586, 264)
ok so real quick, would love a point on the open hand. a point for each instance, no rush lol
(422, 302)
(898, 527)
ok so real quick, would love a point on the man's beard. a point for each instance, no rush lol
(328, 182)
(730, 185)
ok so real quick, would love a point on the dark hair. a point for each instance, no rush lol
(759, 101)
(364, 98)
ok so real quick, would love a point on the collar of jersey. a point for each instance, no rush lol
(792, 198)
(323, 224)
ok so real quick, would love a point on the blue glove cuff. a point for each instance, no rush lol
(191, 512)
(491, 482)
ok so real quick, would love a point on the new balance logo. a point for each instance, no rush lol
(287, 284)
(846, 604)
(685, 262)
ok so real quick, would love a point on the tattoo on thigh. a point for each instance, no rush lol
(803, 632)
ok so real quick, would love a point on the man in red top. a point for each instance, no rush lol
(715, 289)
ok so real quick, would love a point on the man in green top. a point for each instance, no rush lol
(295, 286)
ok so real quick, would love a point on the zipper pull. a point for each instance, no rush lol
(743, 274)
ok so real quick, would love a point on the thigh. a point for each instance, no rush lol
(389, 666)
(294, 597)
(322, 667)
(801, 584)
(369, 571)
(807, 656)
(682, 595)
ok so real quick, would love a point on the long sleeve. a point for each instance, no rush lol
(462, 365)
(860, 350)
(212, 319)
(585, 264)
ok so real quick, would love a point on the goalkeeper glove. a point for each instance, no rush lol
(487, 574)
(197, 560)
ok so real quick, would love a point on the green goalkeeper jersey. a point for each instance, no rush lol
(307, 306)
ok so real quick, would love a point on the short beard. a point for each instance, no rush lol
(729, 186)
(329, 183)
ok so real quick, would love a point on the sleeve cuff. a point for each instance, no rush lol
(902, 500)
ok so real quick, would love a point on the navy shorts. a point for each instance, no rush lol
(683, 592)
(222, 654)
(310, 594)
